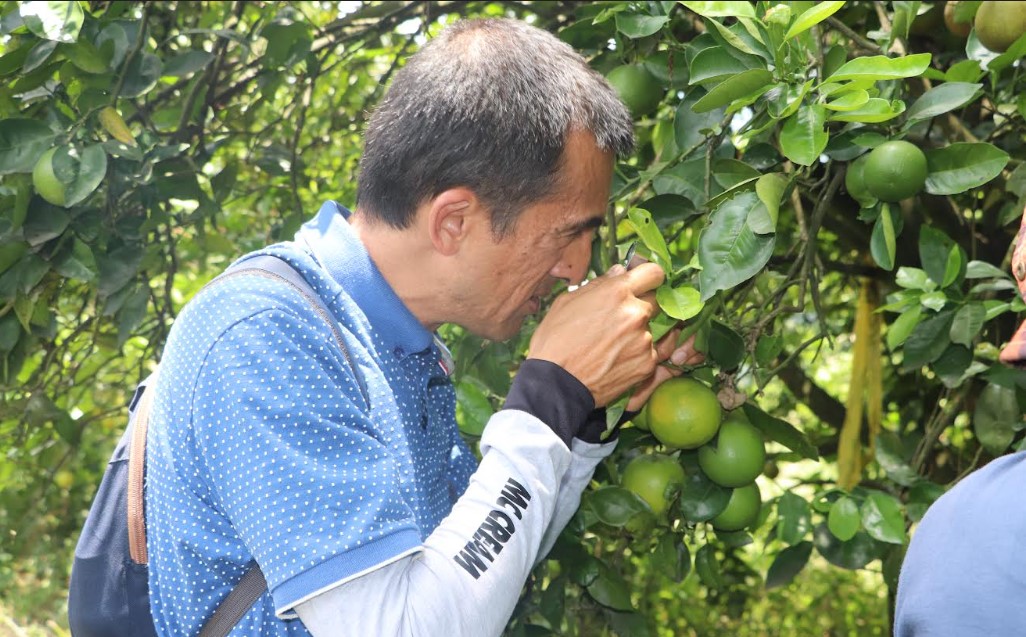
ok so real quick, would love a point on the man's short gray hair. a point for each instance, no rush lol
(487, 105)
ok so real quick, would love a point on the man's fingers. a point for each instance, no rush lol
(667, 344)
(644, 278)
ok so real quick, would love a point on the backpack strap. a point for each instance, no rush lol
(136, 474)
(252, 586)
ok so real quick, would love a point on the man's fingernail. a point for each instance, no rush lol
(679, 357)
(617, 270)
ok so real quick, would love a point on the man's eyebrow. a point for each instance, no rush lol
(591, 223)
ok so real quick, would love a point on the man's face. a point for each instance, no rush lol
(1015, 352)
(550, 241)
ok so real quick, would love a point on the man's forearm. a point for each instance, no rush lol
(468, 576)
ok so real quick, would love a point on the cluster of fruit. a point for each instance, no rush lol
(683, 413)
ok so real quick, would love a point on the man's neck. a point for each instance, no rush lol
(395, 252)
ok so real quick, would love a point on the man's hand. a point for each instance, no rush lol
(666, 349)
(599, 333)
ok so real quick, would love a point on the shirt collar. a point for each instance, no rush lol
(345, 258)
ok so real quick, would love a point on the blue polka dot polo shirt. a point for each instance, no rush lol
(261, 445)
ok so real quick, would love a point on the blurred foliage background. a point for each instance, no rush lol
(863, 334)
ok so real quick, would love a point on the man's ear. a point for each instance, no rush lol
(451, 216)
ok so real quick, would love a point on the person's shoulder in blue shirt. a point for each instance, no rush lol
(233, 474)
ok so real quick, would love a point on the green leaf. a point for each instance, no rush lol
(983, 270)
(934, 301)
(701, 499)
(850, 101)
(721, 9)
(650, 235)
(615, 506)
(117, 268)
(882, 244)
(738, 86)
(803, 137)
(875, 110)
(682, 302)
(142, 74)
(609, 589)
(22, 141)
(78, 263)
(730, 38)
(967, 323)
(914, 279)
(44, 224)
(952, 367)
(88, 167)
(726, 347)
(639, 26)
(729, 249)
(131, 314)
(902, 327)
(688, 125)
(287, 43)
(995, 308)
(844, 520)
(953, 266)
(473, 409)
(928, 340)
(186, 63)
(770, 189)
(881, 67)
(53, 19)
(958, 167)
(852, 554)
(964, 71)
(86, 57)
(672, 557)
(934, 249)
(889, 454)
(708, 567)
(795, 518)
(996, 418)
(715, 64)
(767, 349)
(882, 518)
(810, 18)
(730, 173)
(942, 99)
(781, 431)
(788, 564)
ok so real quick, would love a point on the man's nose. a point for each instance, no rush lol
(573, 264)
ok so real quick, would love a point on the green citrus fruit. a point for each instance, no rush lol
(654, 478)
(683, 413)
(742, 509)
(641, 420)
(960, 29)
(638, 88)
(64, 479)
(894, 171)
(855, 182)
(45, 181)
(736, 456)
(999, 24)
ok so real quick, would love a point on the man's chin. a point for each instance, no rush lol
(503, 332)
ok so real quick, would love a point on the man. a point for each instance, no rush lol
(485, 173)
(963, 575)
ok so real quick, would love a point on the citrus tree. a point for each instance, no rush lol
(831, 187)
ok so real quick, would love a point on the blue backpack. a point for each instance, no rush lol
(109, 594)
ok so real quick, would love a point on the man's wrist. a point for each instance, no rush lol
(552, 395)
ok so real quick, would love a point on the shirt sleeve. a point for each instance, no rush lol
(293, 465)
(467, 579)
